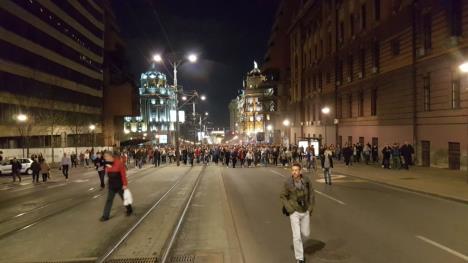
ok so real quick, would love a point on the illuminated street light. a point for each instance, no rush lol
(203, 97)
(463, 67)
(126, 131)
(325, 110)
(92, 127)
(22, 117)
(157, 58)
(206, 113)
(192, 58)
(269, 127)
(184, 97)
(286, 122)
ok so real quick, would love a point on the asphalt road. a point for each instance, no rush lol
(235, 216)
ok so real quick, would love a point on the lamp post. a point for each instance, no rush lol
(92, 127)
(286, 124)
(22, 118)
(175, 63)
(463, 67)
(326, 111)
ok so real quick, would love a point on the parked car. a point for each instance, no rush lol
(5, 166)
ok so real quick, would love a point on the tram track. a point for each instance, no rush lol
(164, 255)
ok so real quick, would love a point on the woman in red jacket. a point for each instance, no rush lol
(117, 182)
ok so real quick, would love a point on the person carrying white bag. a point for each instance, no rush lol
(117, 184)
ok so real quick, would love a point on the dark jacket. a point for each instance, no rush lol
(117, 175)
(15, 166)
(329, 159)
(35, 167)
(291, 196)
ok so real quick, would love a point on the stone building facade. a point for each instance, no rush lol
(389, 72)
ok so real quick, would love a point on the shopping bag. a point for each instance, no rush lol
(128, 199)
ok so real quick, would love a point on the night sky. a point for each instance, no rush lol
(227, 36)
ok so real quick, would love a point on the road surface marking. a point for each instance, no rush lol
(96, 196)
(28, 226)
(55, 186)
(91, 189)
(6, 188)
(331, 198)
(449, 250)
(18, 215)
(80, 180)
(278, 173)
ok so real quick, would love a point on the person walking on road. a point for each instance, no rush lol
(36, 169)
(117, 183)
(16, 169)
(327, 164)
(65, 163)
(298, 202)
(45, 169)
(100, 165)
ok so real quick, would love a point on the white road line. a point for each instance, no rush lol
(331, 198)
(278, 173)
(449, 250)
(91, 189)
(96, 196)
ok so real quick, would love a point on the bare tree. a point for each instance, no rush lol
(52, 121)
(77, 125)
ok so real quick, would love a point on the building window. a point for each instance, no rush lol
(320, 81)
(362, 62)
(377, 10)
(395, 46)
(314, 82)
(339, 71)
(351, 24)
(342, 34)
(319, 107)
(339, 107)
(427, 31)
(313, 112)
(375, 57)
(361, 104)
(350, 68)
(427, 92)
(350, 106)
(455, 94)
(330, 43)
(374, 102)
(328, 77)
(363, 16)
(455, 17)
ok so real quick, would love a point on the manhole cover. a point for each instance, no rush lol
(183, 258)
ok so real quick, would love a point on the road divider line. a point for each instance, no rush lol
(331, 198)
(278, 173)
(446, 249)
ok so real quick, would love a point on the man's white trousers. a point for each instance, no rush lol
(300, 225)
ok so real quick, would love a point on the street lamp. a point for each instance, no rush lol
(464, 69)
(176, 62)
(92, 127)
(184, 98)
(22, 118)
(203, 97)
(286, 122)
(326, 111)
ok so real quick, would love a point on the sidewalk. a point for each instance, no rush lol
(444, 183)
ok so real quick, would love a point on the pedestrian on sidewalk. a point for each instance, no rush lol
(298, 203)
(36, 169)
(327, 164)
(396, 156)
(367, 152)
(16, 169)
(386, 154)
(347, 153)
(45, 169)
(375, 153)
(65, 163)
(406, 153)
(117, 183)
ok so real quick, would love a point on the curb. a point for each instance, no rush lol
(463, 201)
